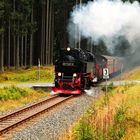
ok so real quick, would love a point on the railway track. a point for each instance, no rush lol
(11, 120)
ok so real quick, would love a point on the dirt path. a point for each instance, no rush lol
(122, 82)
(29, 84)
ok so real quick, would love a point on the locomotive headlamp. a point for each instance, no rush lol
(59, 74)
(74, 75)
(68, 49)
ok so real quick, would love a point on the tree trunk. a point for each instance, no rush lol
(14, 42)
(31, 50)
(47, 30)
(43, 34)
(17, 49)
(9, 43)
(79, 34)
(2, 53)
(17, 53)
(22, 50)
(31, 42)
(14, 51)
(52, 36)
(25, 47)
(65, 25)
(49, 36)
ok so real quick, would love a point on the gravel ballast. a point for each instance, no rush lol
(57, 122)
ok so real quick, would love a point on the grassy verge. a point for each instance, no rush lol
(12, 97)
(131, 75)
(28, 75)
(117, 118)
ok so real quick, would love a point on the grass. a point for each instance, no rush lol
(28, 75)
(12, 97)
(119, 119)
(83, 131)
(131, 75)
(114, 116)
(12, 93)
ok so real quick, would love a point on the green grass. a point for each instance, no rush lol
(109, 87)
(83, 131)
(121, 115)
(118, 128)
(28, 75)
(12, 97)
(12, 93)
(113, 116)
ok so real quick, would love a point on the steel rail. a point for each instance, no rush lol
(6, 126)
(3, 117)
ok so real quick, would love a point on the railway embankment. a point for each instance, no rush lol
(53, 124)
(115, 115)
(13, 97)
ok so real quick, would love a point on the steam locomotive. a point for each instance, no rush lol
(76, 70)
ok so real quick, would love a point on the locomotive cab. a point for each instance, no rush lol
(101, 63)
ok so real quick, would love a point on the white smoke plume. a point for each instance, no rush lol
(106, 20)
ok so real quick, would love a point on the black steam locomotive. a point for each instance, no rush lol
(76, 70)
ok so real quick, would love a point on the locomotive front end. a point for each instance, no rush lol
(67, 72)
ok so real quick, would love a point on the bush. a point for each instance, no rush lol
(83, 131)
(110, 87)
(12, 93)
(120, 115)
(117, 130)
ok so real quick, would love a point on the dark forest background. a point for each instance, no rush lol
(33, 30)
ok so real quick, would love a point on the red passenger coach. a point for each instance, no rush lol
(114, 64)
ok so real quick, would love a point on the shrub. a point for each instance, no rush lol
(83, 131)
(120, 114)
(110, 87)
(117, 130)
(12, 93)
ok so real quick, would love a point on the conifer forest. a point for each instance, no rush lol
(31, 30)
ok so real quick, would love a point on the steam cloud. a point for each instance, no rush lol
(108, 21)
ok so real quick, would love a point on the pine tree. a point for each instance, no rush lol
(2, 36)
